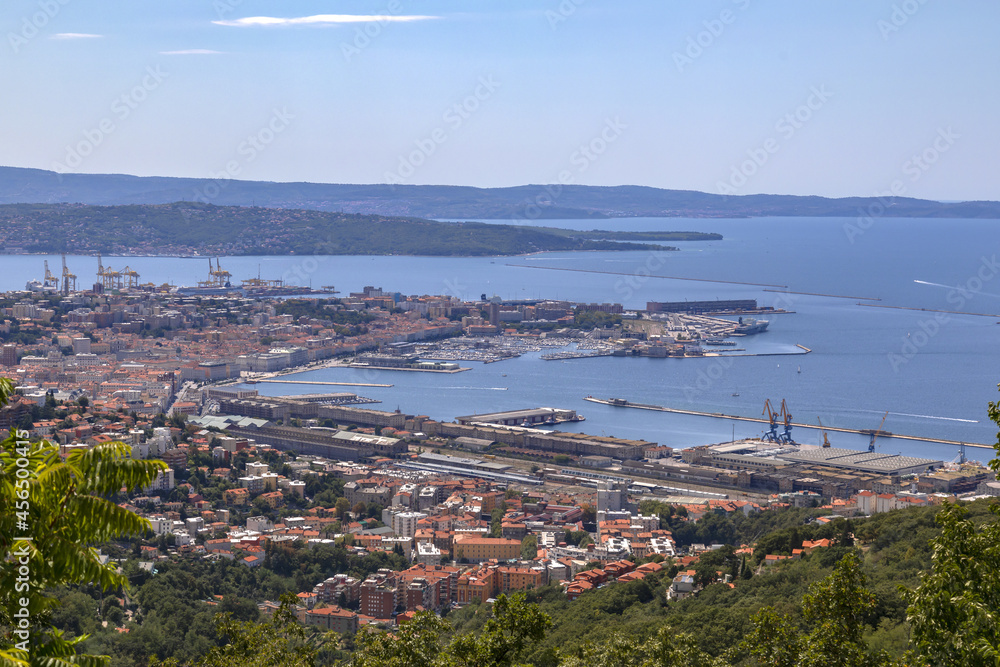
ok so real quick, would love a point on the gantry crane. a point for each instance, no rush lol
(220, 276)
(128, 278)
(50, 282)
(68, 279)
(876, 433)
(826, 441)
(217, 276)
(110, 279)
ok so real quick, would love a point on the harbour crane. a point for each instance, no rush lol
(772, 419)
(826, 441)
(220, 275)
(110, 279)
(876, 432)
(51, 282)
(786, 436)
(68, 279)
(130, 278)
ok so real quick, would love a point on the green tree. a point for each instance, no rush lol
(278, 642)
(64, 507)
(837, 608)
(529, 547)
(953, 610)
(513, 628)
(664, 649)
(774, 640)
(342, 507)
(416, 644)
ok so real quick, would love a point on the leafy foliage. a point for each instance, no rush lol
(52, 513)
(513, 626)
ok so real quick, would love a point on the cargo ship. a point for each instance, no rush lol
(218, 284)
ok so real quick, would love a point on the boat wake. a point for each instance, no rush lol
(908, 414)
(958, 289)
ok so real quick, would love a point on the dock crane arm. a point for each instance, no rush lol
(826, 441)
(875, 433)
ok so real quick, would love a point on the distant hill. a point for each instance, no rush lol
(187, 228)
(525, 202)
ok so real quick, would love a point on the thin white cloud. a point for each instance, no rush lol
(75, 35)
(320, 19)
(191, 52)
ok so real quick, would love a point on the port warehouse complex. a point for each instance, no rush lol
(749, 465)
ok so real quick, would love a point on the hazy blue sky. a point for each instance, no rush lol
(833, 98)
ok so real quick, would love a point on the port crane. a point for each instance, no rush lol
(51, 282)
(68, 279)
(128, 278)
(772, 434)
(772, 422)
(786, 436)
(110, 279)
(826, 441)
(876, 432)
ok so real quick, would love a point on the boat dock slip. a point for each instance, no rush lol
(338, 384)
(622, 403)
(644, 276)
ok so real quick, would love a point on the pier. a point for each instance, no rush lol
(335, 384)
(829, 296)
(643, 277)
(621, 403)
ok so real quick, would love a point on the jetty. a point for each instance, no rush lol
(622, 403)
(336, 384)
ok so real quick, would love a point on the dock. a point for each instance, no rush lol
(333, 384)
(644, 276)
(621, 403)
(556, 356)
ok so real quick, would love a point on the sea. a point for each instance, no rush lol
(862, 294)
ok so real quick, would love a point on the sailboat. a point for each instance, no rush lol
(800, 369)
(736, 392)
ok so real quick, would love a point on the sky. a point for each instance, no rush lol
(826, 97)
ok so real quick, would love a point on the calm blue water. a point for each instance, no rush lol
(935, 382)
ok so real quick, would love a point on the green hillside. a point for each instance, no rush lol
(185, 228)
